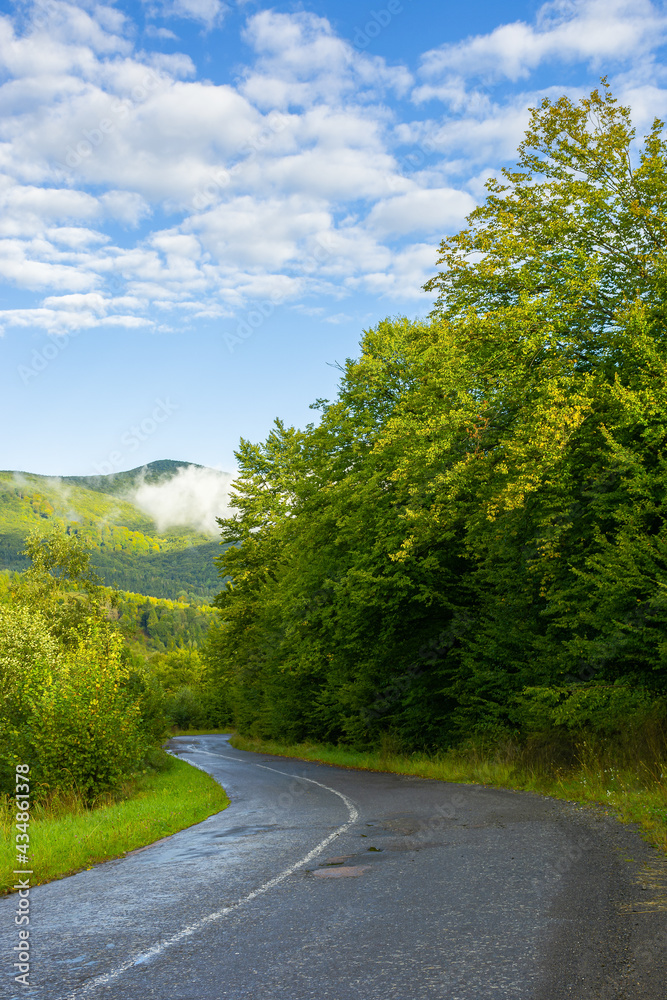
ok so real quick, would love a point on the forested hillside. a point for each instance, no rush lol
(473, 538)
(161, 625)
(126, 549)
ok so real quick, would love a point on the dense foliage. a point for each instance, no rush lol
(161, 625)
(164, 642)
(180, 571)
(473, 537)
(68, 705)
(90, 679)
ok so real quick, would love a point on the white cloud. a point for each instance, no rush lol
(127, 207)
(76, 237)
(154, 32)
(568, 30)
(647, 100)
(26, 209)
(421, 211)
(63, 36)
(403, 278)
(206, 12)
(67, 321)
(133, 190)
(342, 173)
(194, 497)
(17, 268)
(337, 318)
(493, 136)
(260, 233)
(301, 62)
(92, 301)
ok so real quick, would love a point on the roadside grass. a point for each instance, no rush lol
(634, 793)
(66, 836)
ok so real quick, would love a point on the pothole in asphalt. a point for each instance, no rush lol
(346, 871)
(651, 879)
(340, 861)
(241, 831)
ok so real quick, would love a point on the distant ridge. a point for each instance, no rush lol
(118, 483)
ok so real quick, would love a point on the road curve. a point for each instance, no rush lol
(319, 883)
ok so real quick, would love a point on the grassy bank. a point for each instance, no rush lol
(636, 794)
(67, 837)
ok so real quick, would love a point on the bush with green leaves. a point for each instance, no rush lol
(28, 657)
(67, 712)
(602, 708)
(72, 705)
(191, 697)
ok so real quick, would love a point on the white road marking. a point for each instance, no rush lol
(209, 753)
(191, 929)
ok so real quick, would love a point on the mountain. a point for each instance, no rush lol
(127, 549)
(121, 483)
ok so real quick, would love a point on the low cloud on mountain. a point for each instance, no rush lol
(194, 497)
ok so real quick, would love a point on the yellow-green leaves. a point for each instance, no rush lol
(493, 481)
(581, 224)
(68, 713)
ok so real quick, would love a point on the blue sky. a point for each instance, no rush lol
(205, 204)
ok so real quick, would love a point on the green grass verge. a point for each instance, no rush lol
(634, 795)
(66, 837)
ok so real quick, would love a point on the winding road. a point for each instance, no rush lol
(319, 883)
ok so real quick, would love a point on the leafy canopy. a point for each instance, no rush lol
(477, 523)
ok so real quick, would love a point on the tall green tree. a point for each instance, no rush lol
(481, 511)
(580, 224)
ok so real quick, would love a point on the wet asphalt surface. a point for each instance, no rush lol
(357, 885)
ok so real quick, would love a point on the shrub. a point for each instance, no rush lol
(68, 712)
(599, 708)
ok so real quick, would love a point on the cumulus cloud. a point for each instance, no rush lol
(425, 210)
(301, 61)
(154, 32)
(303, 177)
(464, 141)
(404, 275)
(194, 497)
(206, 12)
(568, 30)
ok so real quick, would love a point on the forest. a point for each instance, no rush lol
(470, 542)
(103, 628)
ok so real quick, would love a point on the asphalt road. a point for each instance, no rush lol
(319, 883)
